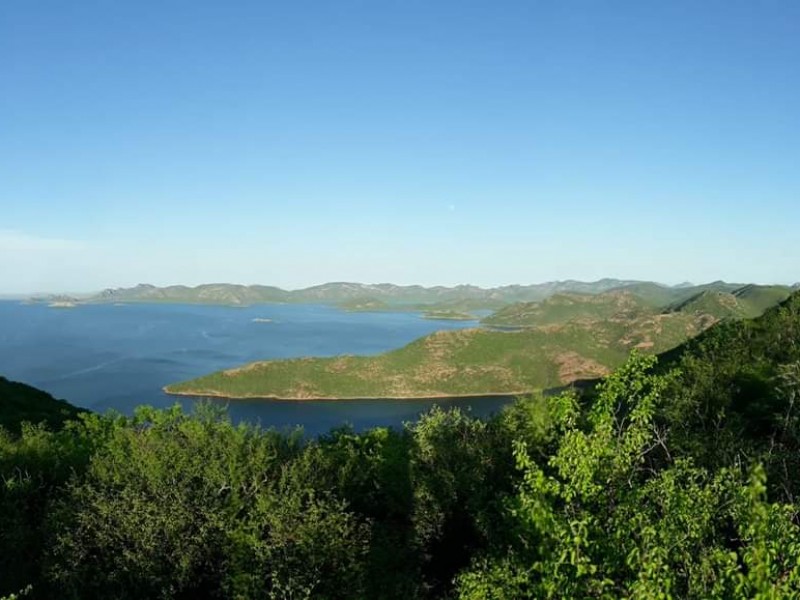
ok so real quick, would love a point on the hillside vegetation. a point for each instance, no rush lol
(671, 480)
(561, 308)
(552, 343)
(745, 302)
(461, 362)
(20, 402)
(720, 301)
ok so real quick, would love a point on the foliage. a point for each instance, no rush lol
(459, 362)
(601, 519)
(20, 402)
(673, 479)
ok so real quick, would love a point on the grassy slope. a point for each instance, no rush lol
(566, 307)
(452, 363)
(719, 300)
(771, 338)
(746, 302)
(564, 338)
(20, 402)
(364, 305)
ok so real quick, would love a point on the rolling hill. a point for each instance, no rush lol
(20, 402)
(386, 296)
(562, 339)
(409, 297)
(561, 308)
(745, 302)
(459, 363)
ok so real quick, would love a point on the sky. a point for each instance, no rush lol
(434, 143)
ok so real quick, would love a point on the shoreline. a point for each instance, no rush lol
(360, 398)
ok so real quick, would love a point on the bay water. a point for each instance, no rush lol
(106, 356)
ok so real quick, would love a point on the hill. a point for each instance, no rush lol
(564, 338)
(720, 300)
(561, 308)
(212, 293)
(364, 305)
(758, 298)
(744, 302)
(410, 297)
(680, 480)
(462, 298)
(458, 363)
(20, 402)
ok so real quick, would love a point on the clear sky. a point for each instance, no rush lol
(414, 141)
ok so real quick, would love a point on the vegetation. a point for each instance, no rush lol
(364, 305)
(746, 302)
(720, 301)
(675, 479)
(458, 363)
(562, 308)
(554, 342)
(20, 402)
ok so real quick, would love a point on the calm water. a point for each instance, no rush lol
(107, 356)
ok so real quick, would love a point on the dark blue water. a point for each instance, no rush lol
(109, 356)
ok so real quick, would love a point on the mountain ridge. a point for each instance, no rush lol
(459, 297)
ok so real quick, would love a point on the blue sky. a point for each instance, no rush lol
(292, 143)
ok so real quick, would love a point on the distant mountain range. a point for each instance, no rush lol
(386, 296)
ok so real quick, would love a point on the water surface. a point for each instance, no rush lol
(119, 356)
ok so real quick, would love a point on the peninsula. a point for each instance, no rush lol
(555, 342)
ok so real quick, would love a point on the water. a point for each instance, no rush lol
(120, 356)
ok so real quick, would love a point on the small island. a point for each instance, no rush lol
(62, 304)
(448, 315)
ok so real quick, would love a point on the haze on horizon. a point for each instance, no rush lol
(443, 143)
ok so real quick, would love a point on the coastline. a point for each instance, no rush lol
(223, 396)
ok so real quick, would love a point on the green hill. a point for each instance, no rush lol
(568, 307)
(758, 298)
(655, 294)
(458, 363)
(722, 305)
(364, 305)
(718, 299)
(564, 338)
(212, 293)
(659, 483)
(396, 297)
(404, 297)
(20, 402)
(745, 302)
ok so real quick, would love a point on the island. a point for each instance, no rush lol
(62, 304)
(448, 315)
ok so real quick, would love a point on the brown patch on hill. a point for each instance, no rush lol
(572, 366)
(338, 365)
